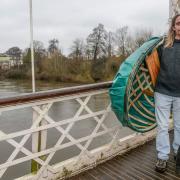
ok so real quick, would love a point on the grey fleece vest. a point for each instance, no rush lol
(168, 80)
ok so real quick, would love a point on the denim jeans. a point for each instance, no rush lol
(163, 104)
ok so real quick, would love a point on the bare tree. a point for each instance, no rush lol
(110, 44)
(97, 42)
(39, 48)
(130, 45)
(53, 46)
(137, 39)
(121, 40)
(77, 49)
(54, 53)
(87, 52)
(141, 36)
(39, 54)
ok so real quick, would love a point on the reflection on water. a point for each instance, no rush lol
(10, 88)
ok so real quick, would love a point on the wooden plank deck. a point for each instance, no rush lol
(137, 164)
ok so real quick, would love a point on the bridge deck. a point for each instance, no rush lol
(136, 164)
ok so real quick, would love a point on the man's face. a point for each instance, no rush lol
(176, 28)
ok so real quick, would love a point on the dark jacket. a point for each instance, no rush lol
(168, 80)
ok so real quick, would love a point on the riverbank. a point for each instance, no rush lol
(67, 71)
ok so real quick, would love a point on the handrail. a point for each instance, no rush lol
(29, 97)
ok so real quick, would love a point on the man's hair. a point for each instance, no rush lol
(171, 33)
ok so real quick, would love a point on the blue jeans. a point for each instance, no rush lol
(163, 104)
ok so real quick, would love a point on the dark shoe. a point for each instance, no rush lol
(178, 171)
(161, 165)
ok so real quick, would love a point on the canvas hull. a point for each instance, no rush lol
(132, 90)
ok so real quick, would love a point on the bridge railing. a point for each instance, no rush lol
(59, 133)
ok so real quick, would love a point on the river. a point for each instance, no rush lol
(11, 88)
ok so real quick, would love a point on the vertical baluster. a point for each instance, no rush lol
(43, 142)
(35, 144)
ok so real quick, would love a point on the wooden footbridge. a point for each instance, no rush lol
(136, 164)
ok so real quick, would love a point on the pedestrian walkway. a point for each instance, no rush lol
(137, 164)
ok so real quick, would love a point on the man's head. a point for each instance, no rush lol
(174, 31)
(176, 26)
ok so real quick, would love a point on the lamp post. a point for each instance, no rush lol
(32, 48)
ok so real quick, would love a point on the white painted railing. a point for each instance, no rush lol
(66, 134)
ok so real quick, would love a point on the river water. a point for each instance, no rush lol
(14, 120)
(11, 88)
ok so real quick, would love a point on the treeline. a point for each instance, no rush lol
(97, 58)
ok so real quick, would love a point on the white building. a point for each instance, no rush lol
(6, 62)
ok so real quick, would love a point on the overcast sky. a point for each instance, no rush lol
(67, 20)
